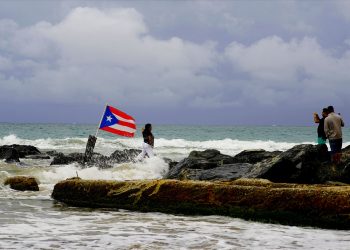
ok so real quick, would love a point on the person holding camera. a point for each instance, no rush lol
(321, 135)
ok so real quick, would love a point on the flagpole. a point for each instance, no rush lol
(98, 127)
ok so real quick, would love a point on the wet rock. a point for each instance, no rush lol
(12, 153)
(211, 156)
(291, 204)
(37, 157)
(62, 159)
(254, 156)
(199, 160)
(172, 164)
(100, 161)
(346, 149)
(226, 172)
(53, 153)
(9, 154)
(22, 183)
(303, 163)
(126, 155)
(97, 160)
(300, 164)
(23, 150)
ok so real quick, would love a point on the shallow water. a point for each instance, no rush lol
(40, 223)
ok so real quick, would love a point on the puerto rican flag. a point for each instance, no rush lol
(117, 122)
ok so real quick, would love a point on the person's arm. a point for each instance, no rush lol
(326, 127)
(316, 118)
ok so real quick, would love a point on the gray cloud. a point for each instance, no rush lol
(119, 53)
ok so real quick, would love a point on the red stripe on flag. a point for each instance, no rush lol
(120, 113)
(127, 124)
(118, 132)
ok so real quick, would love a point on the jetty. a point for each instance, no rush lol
(318, 205)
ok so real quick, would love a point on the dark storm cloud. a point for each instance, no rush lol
(173, 62)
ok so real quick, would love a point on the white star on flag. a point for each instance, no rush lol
(109, 118)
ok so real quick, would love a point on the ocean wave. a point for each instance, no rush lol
(172, 148)
(151, 168)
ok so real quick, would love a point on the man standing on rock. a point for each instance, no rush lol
(332, 127)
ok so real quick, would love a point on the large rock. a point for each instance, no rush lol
(300, 164)
(22, 183)
(126, 155)
(23, 150)
(226, 172)
(12, 153)
(101, 161)
(9, 154)
(62, 159)
(303, 163)
(199, 161)
(309, 205)
(212, 165)
(254, 156)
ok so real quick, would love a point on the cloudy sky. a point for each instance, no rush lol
(174, 62)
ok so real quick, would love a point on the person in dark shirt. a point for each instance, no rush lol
(321, 135)
(148, 142)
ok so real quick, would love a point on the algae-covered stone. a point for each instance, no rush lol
(22, 183)
(293, 204)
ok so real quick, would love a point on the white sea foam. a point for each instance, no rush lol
(175, 149)
(172, 148)
(152, 168)
(72, 228)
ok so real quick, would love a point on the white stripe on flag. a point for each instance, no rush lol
(123, 119)
(123, 128)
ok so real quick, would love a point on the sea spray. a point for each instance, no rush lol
(151, 168)
(175, 149)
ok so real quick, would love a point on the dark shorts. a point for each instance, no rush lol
(335, 145)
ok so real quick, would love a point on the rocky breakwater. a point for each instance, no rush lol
(99, 160)
(322, 206)
(303, 163)
(13, 154)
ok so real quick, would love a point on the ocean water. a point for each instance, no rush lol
(32, 220)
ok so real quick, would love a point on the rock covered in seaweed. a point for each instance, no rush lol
(292, 204)
(22, 183)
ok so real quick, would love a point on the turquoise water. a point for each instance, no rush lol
(190, 133)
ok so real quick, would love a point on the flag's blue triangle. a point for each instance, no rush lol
(108, 119)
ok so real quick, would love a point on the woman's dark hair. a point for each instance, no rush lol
(148, 127)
